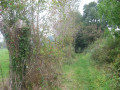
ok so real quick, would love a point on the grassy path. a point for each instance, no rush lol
(84, 75)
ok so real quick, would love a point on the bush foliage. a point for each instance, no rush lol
(86, 36)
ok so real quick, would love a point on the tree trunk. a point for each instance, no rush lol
(18, 43)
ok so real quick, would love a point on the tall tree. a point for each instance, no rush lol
(110, 9)
(90, 12)
(17, 26)
(91, 16)
(16, 34)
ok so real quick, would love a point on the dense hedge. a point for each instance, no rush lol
(85, 36)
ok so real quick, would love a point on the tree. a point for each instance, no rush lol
(67, 17)
(110, 10)
(18, 29)
(85, 36)
(90, 16)
(21, 28)
(91, 27)
(90, 13)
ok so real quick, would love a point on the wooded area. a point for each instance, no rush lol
(50, 45)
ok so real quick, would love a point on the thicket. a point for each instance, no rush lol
(105, 44)
(85, 36)
(106, 50)
(90, 27)
(35, 61)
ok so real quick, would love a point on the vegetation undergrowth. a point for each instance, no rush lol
(42, 36)
(106, 52)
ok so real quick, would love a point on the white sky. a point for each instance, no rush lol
(1, 37)
(83, 2)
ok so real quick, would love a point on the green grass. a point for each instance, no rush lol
(4, 62)
(83, 74)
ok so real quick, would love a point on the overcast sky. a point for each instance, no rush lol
(1, 37)
(83, 2)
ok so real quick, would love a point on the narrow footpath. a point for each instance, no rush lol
(84, 74)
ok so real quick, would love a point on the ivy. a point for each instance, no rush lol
(20, 58)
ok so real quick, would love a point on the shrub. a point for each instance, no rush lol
(85, 36)
(106, 50)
